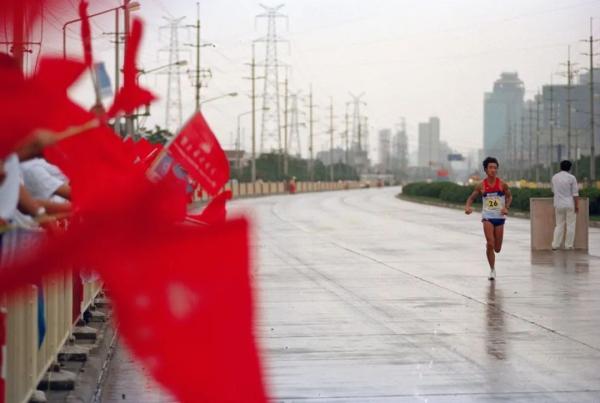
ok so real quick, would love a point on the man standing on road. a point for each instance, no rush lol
(496, 202)
(566, 205)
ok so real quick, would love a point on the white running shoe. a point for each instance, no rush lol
(492, 276)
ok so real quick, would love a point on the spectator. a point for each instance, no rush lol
(9, 189)
(566, 206)
(45, 181)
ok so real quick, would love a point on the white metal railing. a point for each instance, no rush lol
(26, 362)
(250, 189)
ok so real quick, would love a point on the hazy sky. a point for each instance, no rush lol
(412, 58)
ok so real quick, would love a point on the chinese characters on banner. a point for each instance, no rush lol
(198, 151)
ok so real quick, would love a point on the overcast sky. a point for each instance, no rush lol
(412, 58)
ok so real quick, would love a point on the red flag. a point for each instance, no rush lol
(86, 33)
(198, 151)
(131, 95)
(45, 93)
(215, 212)
(57, 75)
(126, 233)
(146, 152)
(32, 10)
(208, 302)
(161, 292)
(100, 225)
(14, 10)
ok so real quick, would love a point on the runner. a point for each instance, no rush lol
(496, 202)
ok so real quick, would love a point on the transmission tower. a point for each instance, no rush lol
(294, 146)
(173, 107)
(357, 132)
(271, 114)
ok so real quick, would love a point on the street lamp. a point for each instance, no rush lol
(204, 45)
(127, 7)
(240, 116)
(133, 6)
(230, 94)
(141, 72)
(177, 63)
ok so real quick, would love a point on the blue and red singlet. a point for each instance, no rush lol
(494, 201)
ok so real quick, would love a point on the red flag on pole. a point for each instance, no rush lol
(182, 295)
(190, 320)
(215, 212)
(198, 151)
(45, 93)
(86, 33)
(131, 95)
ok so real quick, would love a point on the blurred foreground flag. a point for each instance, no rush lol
(191, 321)
(198, 151)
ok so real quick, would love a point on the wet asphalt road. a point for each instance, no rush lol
(366, 298)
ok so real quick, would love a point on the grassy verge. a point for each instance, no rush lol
(433, 201)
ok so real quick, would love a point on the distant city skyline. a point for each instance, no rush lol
(412, 58)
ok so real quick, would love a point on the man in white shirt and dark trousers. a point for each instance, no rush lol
(566, 205)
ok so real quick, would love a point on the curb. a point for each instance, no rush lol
(517, 214)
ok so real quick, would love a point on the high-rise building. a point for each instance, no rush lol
(429, 143)
(443, 153)
(399, 159)
(503, 108)
(555, 113)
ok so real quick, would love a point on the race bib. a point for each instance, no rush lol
(493, 203)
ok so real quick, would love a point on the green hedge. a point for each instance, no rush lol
(453, 193)
(594, 195)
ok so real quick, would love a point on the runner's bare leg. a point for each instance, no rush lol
(488, 230)
(498, 237)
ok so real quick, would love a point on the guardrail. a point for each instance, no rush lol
(259, 188)
(26, 360)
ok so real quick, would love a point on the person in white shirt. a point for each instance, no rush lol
(45, 181)
(566, 205)
(9, 188)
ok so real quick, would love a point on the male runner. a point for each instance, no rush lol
(496, 202)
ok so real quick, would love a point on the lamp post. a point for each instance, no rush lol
(142, 72)
(237, 142)
(129, 6)
(177, 63)
(132, 6)
(229, 94)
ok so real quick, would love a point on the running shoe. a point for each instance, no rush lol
(492, 276)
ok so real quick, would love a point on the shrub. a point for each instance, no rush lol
(456, 193)
(594, 195)
(453, 193)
